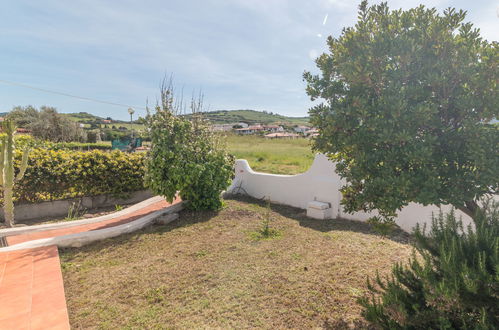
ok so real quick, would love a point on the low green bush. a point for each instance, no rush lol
(59, 174)
(451, 284)
(80, 146)
(23, 140)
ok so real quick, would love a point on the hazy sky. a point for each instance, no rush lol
(243, 54)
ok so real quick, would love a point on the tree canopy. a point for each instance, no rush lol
(408, 100)
(47, 124)
(186, 158)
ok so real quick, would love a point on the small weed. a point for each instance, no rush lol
(118, 207)
(273, 254)
(332, 236)
(201, 253)
(266, 232)
(156, 295)
(75, 211)
(355, 292)
(382, 226)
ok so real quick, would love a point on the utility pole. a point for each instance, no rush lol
(131, 112)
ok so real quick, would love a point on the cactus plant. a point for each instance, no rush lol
(7, 179)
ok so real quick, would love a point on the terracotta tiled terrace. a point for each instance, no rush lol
(31, 285)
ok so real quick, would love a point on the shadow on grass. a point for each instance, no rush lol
(187, 218)
(337, 224)
(190, 218)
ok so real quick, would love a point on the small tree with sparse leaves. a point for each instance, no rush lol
(186, 156)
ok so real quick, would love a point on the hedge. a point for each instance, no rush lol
(28, 140)
(80, 146)
(60, 174)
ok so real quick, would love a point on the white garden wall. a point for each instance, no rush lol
(59, 208)
(319, 183)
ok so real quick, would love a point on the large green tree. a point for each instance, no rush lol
(408, 100)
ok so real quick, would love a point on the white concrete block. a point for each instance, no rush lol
(318, 205)
(319, 210)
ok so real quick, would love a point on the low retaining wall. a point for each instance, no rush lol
(60, 207)
(320, 183)
(87, 237)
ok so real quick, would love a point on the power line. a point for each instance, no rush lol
(68, 95)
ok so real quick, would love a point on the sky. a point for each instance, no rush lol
(241, 54)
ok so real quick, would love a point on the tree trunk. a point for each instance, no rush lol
(470, 208)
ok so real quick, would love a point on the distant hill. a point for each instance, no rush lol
(82, 116)
(252, 117)
(216, 117)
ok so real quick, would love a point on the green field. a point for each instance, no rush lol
(278, 156)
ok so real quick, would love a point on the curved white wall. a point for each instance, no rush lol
(319, 183)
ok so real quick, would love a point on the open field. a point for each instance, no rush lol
(278, 156)
(208, 270)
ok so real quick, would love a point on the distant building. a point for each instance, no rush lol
(250, 129)
(259, 128)
(312, 132)
(301, 129)
(228, 127)
(21, 130)
(106, 121)
(273, 128)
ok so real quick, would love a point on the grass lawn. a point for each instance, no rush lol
(210, 270)
(277, 156)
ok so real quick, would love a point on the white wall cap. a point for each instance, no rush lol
(318, 205)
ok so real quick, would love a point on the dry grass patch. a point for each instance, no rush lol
(208, 270)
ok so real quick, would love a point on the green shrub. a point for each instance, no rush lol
(186, 157)
(22, 140)
(59, 174)
(80, 146)
(452, 283)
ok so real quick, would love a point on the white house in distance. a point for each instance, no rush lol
(227, 127)
(259, 128)
(273, 128)
(301, 129)
(250, 129)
